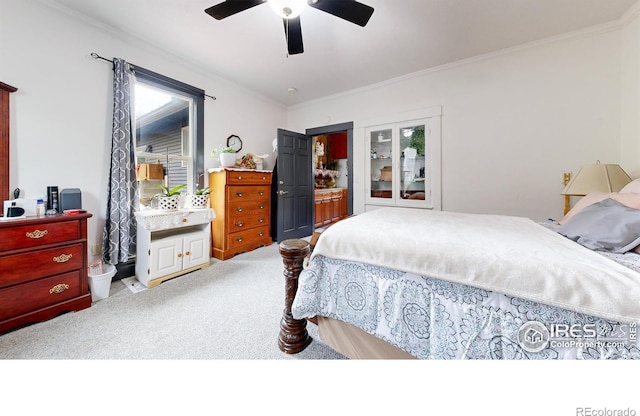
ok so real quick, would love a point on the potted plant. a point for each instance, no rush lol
(169, 198)
(226, 155)
(201, 198)
(417, 141)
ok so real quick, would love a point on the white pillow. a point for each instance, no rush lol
(632, 187)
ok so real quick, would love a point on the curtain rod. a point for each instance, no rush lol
(96, 56)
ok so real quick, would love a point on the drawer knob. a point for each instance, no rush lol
(179, 254)
(264, 178)
(188, 253)
(239, 194)
(239, 209)
(260, 234)
(37, 234)
(261, 206)
(184, 220)
(261, 220)
(58, 288)
(239, 239)
(261, 193)
(239, 178)
(62, 258)
(240, 223)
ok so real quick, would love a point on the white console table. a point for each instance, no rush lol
(172, 243)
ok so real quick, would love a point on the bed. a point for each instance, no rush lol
(408, 283)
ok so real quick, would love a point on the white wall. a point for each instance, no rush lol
(512, 122)
(630, 120)
(61, 113)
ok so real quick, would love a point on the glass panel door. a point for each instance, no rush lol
(412, 162)
(381, 163)
(402, 161)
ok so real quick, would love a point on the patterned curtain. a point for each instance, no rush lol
(119, 237)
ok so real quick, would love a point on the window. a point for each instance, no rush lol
(169, 124)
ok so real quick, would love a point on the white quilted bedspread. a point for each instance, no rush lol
(511, 255)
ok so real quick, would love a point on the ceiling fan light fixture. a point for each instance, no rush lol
(288, 9)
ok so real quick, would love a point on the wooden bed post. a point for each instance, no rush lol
(293, 337)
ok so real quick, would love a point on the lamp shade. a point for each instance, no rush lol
(597, 178)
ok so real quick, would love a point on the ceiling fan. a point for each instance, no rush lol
(290, 10)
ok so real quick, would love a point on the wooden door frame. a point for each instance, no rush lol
(5, 151)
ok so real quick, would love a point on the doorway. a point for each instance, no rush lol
(292, 195)
(333, 172)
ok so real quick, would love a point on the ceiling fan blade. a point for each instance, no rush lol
(231, 7)
(293, 34)
(350, 10)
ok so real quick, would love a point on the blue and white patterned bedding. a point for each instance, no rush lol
(435, 319)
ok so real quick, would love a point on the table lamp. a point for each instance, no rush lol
(595, 178)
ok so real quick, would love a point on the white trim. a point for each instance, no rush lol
(630, 15)
(577, 34)
(431, 118)
(403, 116)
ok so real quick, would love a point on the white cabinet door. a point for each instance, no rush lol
(196, 249)
(166, 257)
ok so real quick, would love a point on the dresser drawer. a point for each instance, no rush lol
(31, 296)
(247, 193)
(32, 265)
(38, 235)
(241, 238)
(239, 177)
(244, 222)
(249, 208)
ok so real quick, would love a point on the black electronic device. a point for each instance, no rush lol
(53, 203)
(70, 199)
(15, 212)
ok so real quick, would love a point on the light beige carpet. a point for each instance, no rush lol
(230, 310)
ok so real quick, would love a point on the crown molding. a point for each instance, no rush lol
(578, 34)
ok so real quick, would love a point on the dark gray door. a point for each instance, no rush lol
(293, 186)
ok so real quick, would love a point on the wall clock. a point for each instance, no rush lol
(234, 142)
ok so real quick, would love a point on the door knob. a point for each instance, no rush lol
(281, 192)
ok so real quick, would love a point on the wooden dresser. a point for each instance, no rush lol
(43, 269)
(241, 199)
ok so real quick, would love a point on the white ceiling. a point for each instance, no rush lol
(402, 37)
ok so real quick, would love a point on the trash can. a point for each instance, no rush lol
(100, 284)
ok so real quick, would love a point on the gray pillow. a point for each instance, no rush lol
(606, 225)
